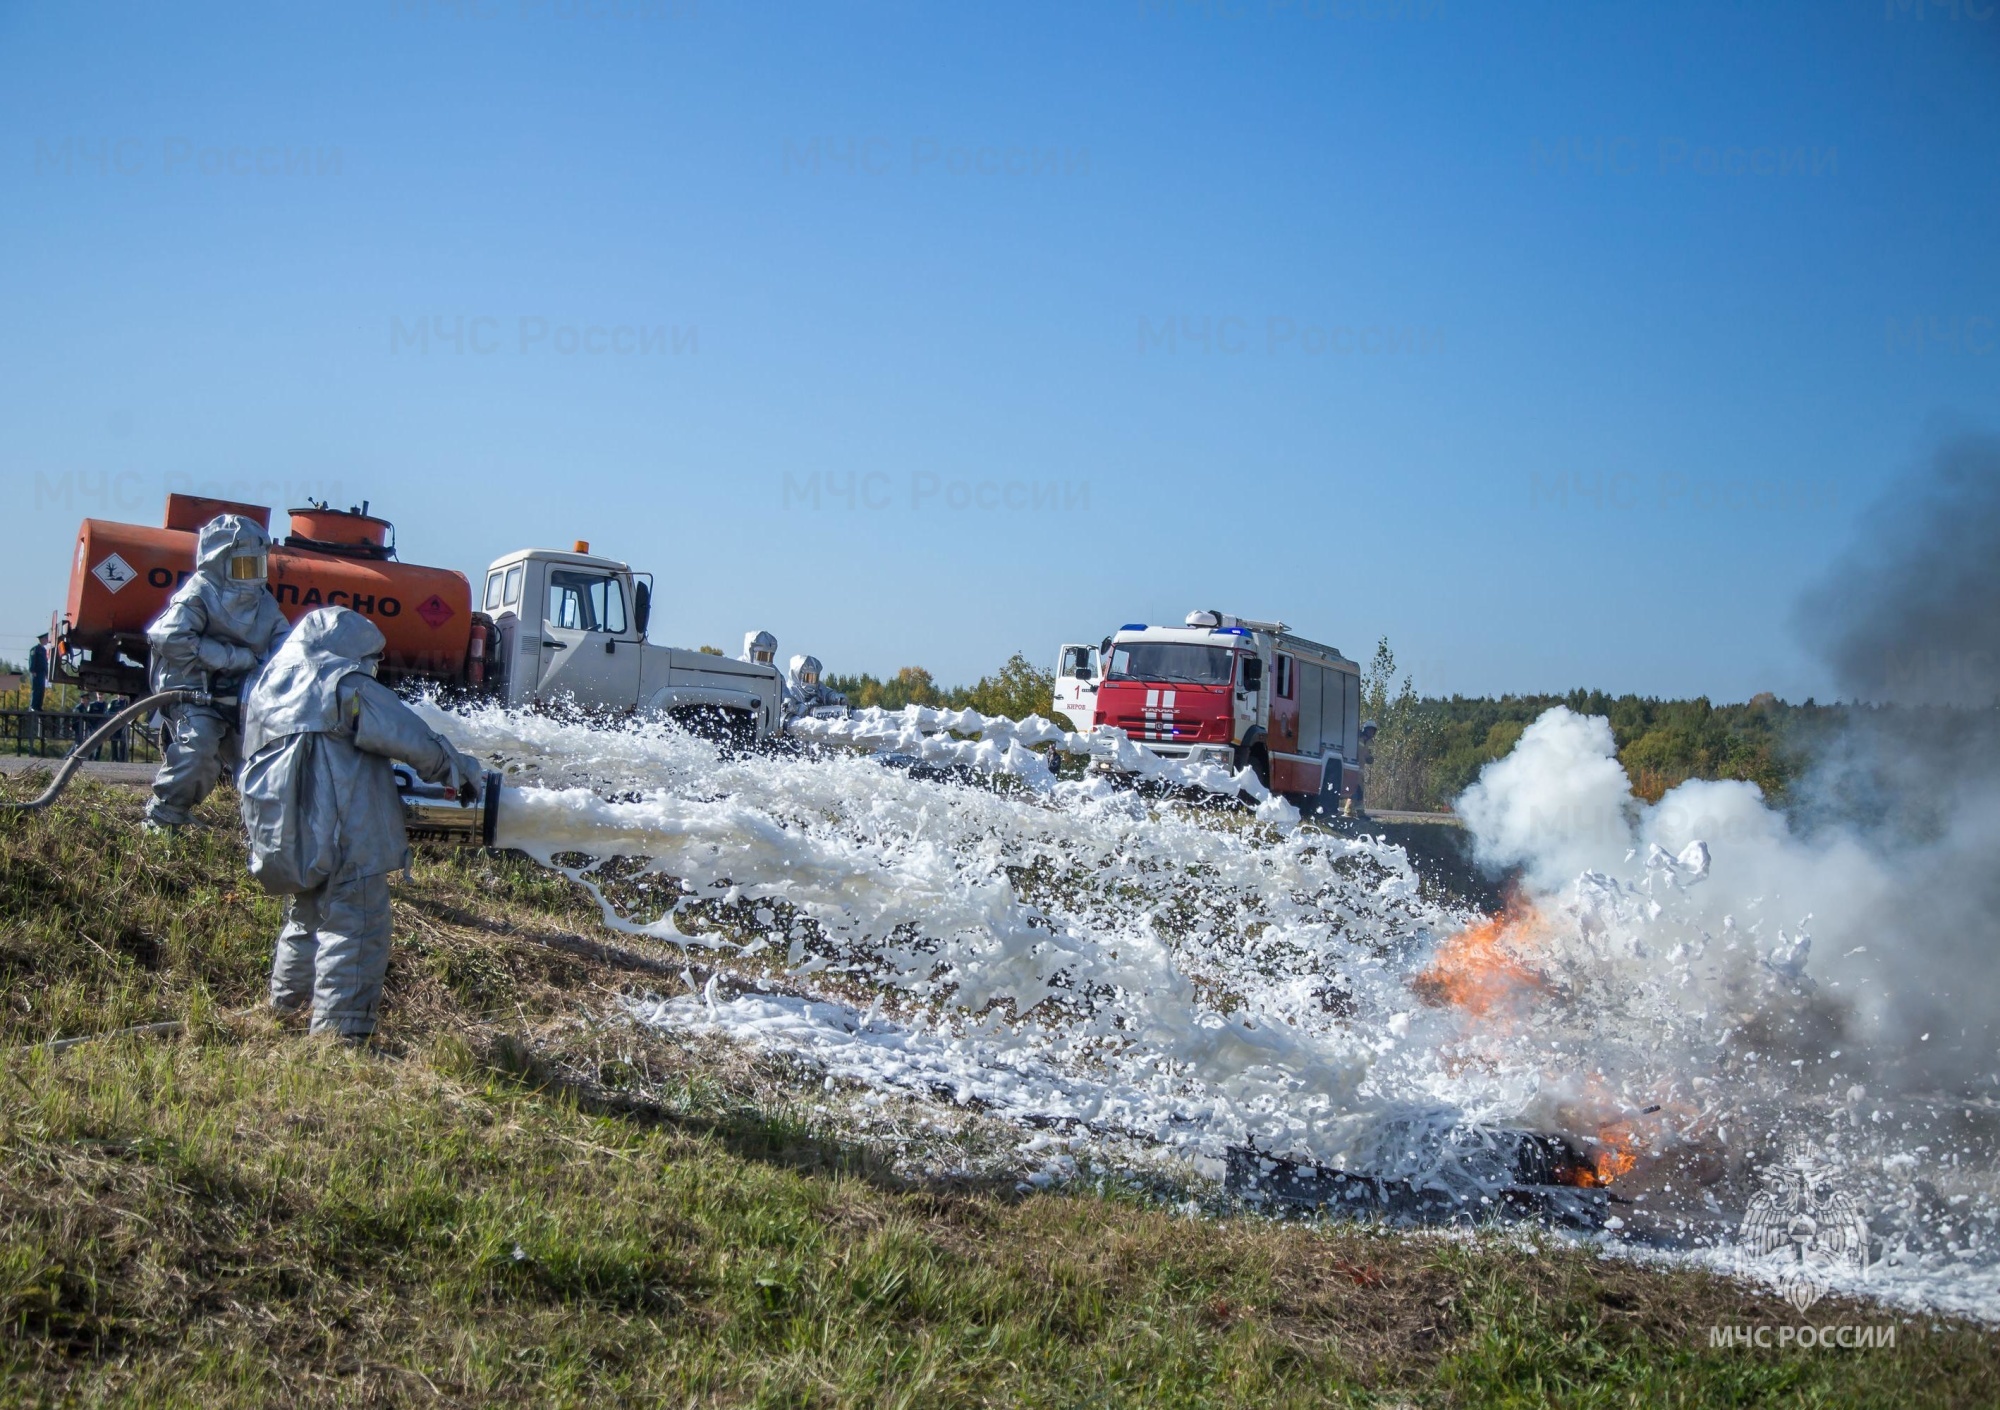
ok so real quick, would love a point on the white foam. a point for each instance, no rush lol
(1073, 952)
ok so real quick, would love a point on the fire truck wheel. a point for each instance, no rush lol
(1327, 804)
(1258, 761)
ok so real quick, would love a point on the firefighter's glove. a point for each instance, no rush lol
(468, 775)
(226, 658)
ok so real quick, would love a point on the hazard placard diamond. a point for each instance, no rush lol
(435, 611)
(114, 572)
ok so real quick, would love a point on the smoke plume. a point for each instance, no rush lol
(1910, 614)
(1864, 916)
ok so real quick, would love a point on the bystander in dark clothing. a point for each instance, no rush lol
(89, 715)
(121, 742)
(38, 671)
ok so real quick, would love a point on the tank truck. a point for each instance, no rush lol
(547, 626)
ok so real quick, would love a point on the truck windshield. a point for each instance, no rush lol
(1179, 662)
(585, 601)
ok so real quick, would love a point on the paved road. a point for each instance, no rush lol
(102, 770)
(1391, 816)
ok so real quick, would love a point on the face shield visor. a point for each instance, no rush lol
(808, 677)
(247, 568)
(763, 655)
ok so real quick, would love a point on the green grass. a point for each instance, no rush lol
(518, 1199)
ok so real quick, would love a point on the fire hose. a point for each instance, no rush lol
(435, 811)
(71, 762)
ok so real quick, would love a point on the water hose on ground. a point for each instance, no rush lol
(66, 770)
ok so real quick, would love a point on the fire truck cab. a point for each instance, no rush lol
(1240, 693)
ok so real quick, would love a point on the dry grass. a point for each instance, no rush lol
(517, 1199)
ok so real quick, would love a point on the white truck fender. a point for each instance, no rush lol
(678, 697)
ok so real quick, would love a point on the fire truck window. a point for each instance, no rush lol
(586, 602)
(512, 597)
(1171, 663)
(493, 585)
(1281, 673)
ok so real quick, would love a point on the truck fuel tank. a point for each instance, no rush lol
(121, 576)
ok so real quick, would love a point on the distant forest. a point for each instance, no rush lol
(1429, 749)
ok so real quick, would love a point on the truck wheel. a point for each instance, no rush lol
(1258, 762)
(734, 730)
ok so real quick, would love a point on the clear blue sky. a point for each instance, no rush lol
(1448, 256)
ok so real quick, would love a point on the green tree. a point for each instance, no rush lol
(1018, 691)
(1399, 762)
(912, 685)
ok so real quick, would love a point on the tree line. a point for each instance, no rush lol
(1429, 749)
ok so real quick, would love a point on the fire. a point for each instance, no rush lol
(1480, 970)
(1616, 1154)
(1486, 971)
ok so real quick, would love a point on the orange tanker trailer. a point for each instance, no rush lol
(123, 574)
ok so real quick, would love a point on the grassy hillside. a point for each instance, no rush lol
(517, 1197)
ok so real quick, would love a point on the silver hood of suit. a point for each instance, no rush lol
(298, 691)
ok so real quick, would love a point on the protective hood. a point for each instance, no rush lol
(298, 691)
(800, 666)
(754, 642)
(224, 537)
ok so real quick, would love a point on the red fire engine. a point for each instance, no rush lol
(1227, 690)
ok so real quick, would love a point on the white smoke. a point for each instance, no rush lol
(1711, 894)
(1558, 805)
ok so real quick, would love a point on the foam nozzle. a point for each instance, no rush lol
(444, 813)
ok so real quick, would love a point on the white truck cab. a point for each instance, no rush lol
(572, 627)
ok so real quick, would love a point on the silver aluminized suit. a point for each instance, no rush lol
(801, 697)
(214, 632)
(325, 823)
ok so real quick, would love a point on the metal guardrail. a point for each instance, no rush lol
(53, 733)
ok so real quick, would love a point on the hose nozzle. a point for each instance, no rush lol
(445, 813)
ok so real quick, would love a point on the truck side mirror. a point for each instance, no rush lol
(642, 606)
(1083, 673)
(1253, 673)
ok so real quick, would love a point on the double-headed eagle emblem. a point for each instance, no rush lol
(1801, 1219)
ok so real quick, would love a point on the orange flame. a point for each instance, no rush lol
(1616, 1154)
(1480, 970)
(1486, 972)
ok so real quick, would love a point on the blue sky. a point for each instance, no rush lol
(1560, 343)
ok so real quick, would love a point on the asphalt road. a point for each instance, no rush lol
(102, 770)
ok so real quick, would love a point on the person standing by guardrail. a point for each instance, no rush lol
(38, 671)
